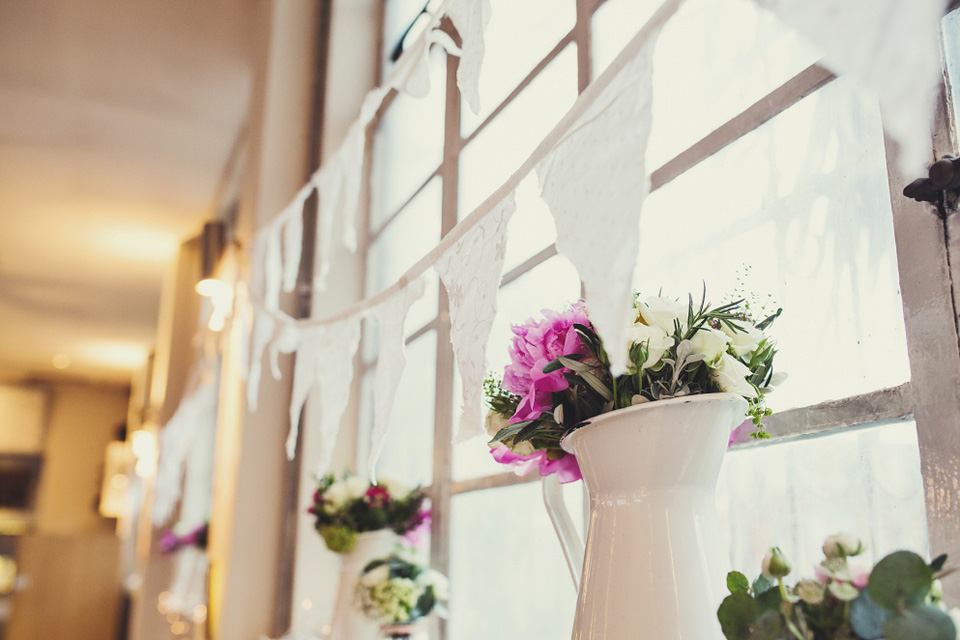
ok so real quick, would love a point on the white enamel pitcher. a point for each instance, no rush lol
(349, 623)
(655, 563)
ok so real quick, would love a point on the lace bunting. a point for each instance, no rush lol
(471, 270)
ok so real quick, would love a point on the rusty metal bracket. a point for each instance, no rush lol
(941, 187)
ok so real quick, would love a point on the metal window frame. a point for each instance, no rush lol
(925, 245)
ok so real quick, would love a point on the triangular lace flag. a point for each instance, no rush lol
(325, 357)
(891, 47)
(264, 327)
(175, 442)
(272, 268)
(471, 270)
(470, 17)
(390, 363)
(595, 182)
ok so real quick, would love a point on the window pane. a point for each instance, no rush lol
(408, 145)
(950, 28)
(518, 37)
(726, 54)
(408, 237)
(407, 453)
(531, 228)
(508, 578)
(795, 494)
(397, 16)
(503, 145)
(551, 285)
(804, 202)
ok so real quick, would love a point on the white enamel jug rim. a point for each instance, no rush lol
(568, 443)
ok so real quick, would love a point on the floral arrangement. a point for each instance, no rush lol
(350, 505)
(170, 541)
(898, 600)
(559, 373)
(398, 591)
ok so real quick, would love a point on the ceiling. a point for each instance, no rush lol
(117, 122)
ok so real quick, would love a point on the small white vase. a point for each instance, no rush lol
(655, 563)
(348, 622)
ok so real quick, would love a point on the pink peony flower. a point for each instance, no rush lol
(566, 468)
(536, 344)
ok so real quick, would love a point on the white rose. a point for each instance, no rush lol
(494, 422)
(730, 375)
(842, 545)
(437, 580)
(375, 576)
(396, 488)
(744, 342)
(709, 342)
(336, 495)
(357, 486)
(656, 339)
(661, 312)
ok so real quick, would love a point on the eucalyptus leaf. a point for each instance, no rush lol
(920, 623)
(902, 579)
(867, 618)
(761, 584)
(736, 614)
(736, 581)
(769, 626)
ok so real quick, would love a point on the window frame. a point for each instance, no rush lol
(925, 245)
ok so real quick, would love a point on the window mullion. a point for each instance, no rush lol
(930, 321)
(443, 409)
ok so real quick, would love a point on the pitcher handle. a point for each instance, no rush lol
(570, 540)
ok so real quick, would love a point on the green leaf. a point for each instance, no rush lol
(596, 385)
(736, 581)
(761, 584)
(769, 626)
(902, 579)
(736, 614)
(866, 618)
(937, 564)
(506, 432)
(769, 600)
(920, 623)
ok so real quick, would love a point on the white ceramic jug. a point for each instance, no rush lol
(349, 623)
(655, 563)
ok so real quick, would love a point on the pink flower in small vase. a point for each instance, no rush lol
(417, 536)
(377, 496)
(535, 344)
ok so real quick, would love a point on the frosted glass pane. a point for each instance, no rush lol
(531, 228)
(551, 285)
(408, 237)
(508, 578)
(408, 145)
(519, 36)
(804, 202)
(795, 494)
(713, 60)
(397, 16)
(503, 145)
(408, 452)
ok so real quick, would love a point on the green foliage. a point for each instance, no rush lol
(593, 390)
(338, 520)
(895, 606)
(902, 579)
(736, 581)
